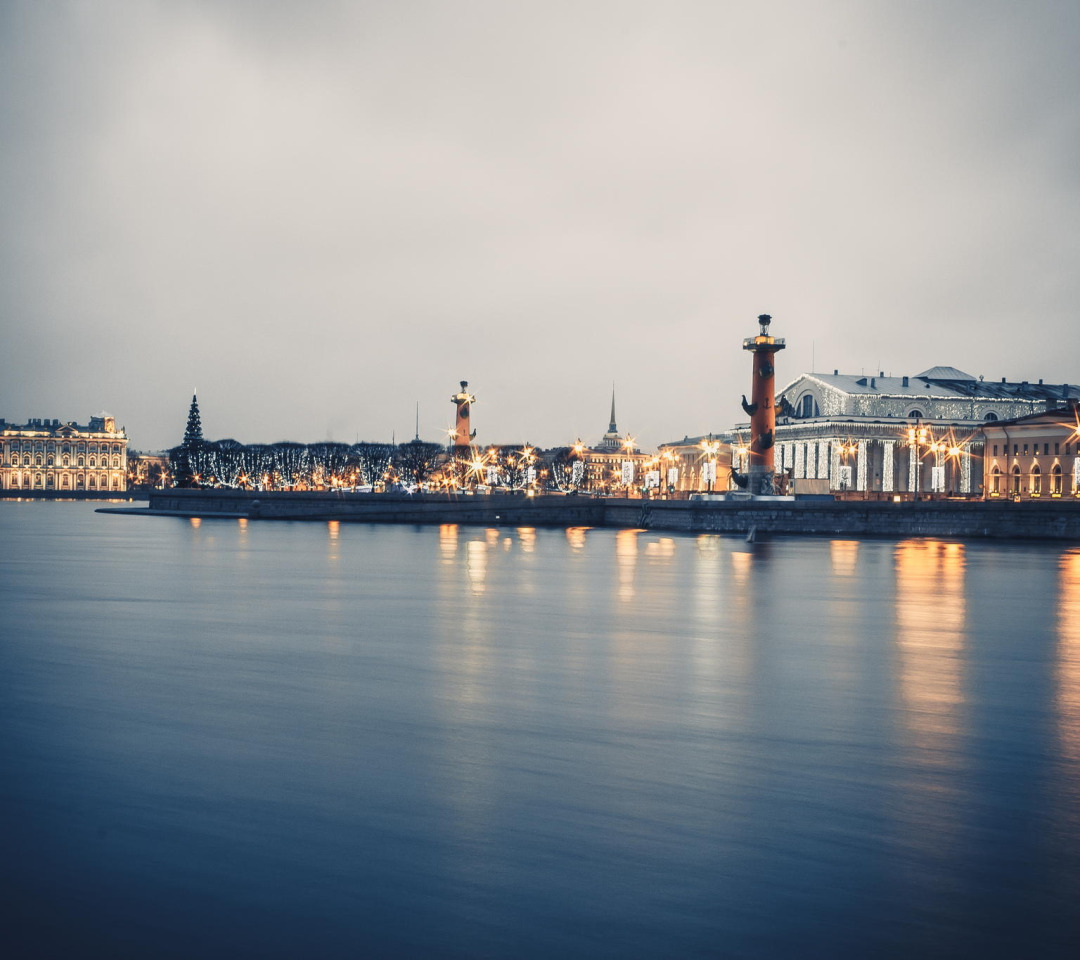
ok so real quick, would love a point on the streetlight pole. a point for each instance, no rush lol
(917, 437)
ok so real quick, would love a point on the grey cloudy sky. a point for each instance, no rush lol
(320, 213)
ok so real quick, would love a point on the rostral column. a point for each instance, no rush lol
(464, 401)
(760, 473)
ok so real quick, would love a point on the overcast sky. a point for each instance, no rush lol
(321, 213)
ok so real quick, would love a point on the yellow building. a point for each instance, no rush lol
(1033, 458)
(52, 457)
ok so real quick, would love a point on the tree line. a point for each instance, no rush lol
(327, 465)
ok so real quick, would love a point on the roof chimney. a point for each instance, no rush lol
(836, 373)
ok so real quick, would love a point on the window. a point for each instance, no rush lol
(1046, 449)
(1014, 449)
(995, 483)
(990, 415)
(1056, 450)
(1016, 481)
(1036, 481)
(808, 407)
(1055, 481)
(1025, 449)
(995, 449)
(916, 414)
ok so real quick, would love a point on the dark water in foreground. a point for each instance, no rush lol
(289, 739)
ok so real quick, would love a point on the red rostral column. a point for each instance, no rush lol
(762, 410)
(464, 401)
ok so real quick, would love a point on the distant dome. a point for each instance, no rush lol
(944, 373)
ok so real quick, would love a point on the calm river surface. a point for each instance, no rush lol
(301, 740)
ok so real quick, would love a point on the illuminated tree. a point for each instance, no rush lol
(559, 463)
(328, 461)
(371, 460)
(291, 462)
(417, 460)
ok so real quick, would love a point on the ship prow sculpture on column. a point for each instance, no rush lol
(760, 477)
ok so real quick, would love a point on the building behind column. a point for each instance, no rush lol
(878, 437)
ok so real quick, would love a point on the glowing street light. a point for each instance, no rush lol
(711, 447)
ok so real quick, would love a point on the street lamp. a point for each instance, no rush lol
(918, 436)
(711, 447)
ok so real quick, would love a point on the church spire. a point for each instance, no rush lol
(611, 440)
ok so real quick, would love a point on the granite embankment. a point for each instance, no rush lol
(1046, 520)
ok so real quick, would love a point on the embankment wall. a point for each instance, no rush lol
(1050, 520)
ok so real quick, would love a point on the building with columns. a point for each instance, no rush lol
(879, 437)
(1035, 457)
(50, 456)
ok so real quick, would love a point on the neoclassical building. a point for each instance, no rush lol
(1035, 457)
(878, 436)
(47, 455)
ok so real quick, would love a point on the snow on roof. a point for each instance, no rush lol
(945, 373)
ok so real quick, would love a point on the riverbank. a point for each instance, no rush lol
(1050, 520)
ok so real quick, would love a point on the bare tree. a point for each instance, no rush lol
(328, 461)
(372, 460)
(417, 460)
(290, 463)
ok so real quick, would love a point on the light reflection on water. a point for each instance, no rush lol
(345, 740)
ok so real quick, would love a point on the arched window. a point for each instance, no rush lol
(93, 482)
(37, 460)
(93, 461)
(80, 482)
(916, 415)
(1016, 480)
(65, 481)
(1036, 481)
(995, 482)
(808, 406)
(990, 415)
(82, 461)
(67, 461)
(1055, 480)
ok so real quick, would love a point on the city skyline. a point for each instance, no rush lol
(322, 215)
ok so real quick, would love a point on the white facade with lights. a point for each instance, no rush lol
(881, 437)
(50, 456)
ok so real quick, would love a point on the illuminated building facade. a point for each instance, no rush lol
(880, 437)
(615, 464)
(1035, 457)
(50, 456)
(701, 464)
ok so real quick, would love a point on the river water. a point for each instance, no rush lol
(223, 738)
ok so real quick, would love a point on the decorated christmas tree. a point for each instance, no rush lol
(193, 437)
(186, 457)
